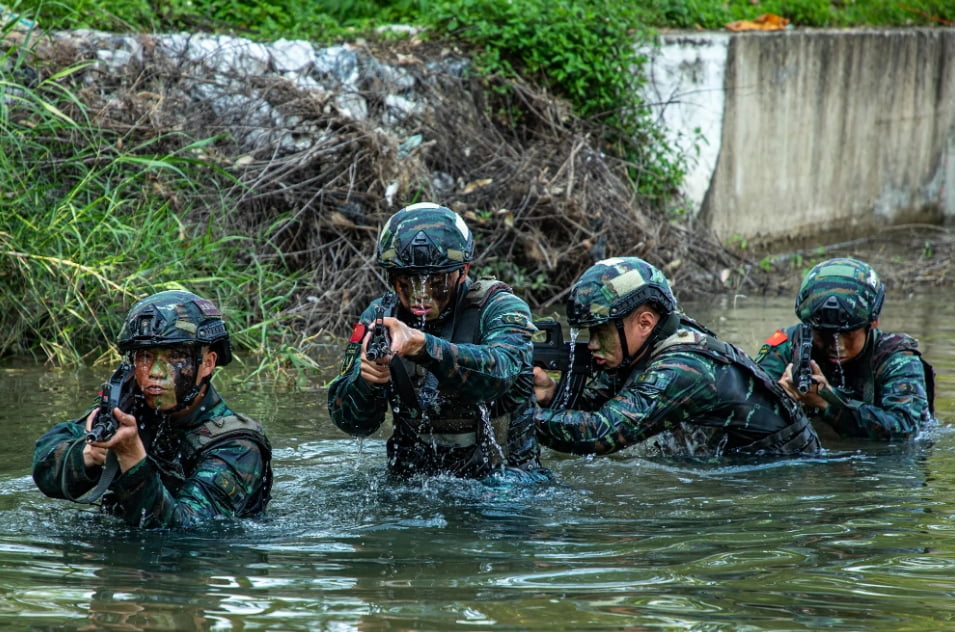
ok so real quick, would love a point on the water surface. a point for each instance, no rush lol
(857, 539)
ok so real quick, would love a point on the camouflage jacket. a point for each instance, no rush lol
(455, 414)
(213, 463)
(883, 394)
(696, 395)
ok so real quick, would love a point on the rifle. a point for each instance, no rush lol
(572, 359)
(380, 344)
(116, 392)
(802, 358)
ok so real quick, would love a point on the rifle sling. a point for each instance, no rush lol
(402, 382)
(110, 470)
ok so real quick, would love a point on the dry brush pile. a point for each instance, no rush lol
(312, 180)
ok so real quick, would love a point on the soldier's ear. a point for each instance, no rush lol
(645, 318)
(649, 318)
(208, 364)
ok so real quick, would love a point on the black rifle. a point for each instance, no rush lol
(116, 393)
(572, 359)
(802, 358)
(380, 344)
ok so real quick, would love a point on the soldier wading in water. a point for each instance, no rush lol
(457, 364)
(179, 455)
(664, 375)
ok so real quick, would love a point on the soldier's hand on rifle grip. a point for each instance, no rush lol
(545, 387)
(375, 371)
(125, 443)
(811, 397)
(94, 455)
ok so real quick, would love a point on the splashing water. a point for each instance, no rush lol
(419, 289)
(562, 399)
(491, 439)
(840, 372)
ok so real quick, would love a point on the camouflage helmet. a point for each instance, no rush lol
(612, 288)
(175, 317)
(425, 238)
(840, 294)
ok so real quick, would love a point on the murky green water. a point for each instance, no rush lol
(859, 539)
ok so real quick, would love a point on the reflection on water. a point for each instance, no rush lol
(857, 539)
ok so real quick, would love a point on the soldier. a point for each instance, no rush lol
(663, 375)
(456, 366)
(179, 455)
(866, 383)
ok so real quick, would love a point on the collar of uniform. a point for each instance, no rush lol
(210, 402)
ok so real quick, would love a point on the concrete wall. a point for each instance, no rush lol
(819, 135)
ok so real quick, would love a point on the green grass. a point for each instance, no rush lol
(711, 14)
(332, 20)
(90, 221)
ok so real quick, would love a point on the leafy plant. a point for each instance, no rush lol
(91, 221)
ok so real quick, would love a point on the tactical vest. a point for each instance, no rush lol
(885, 345)
(230, 427)
(464, 427)
(795, 437)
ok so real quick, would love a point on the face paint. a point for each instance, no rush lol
(425, 296)
(165, 375)
(605, 345)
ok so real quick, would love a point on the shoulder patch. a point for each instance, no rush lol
(514, 319)
(358, 333)
(779, 336)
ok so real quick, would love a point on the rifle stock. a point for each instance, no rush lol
(572, 359)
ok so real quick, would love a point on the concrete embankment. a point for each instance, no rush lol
(813, 135)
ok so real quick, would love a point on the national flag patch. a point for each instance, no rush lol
(358, 333)
(779, 336)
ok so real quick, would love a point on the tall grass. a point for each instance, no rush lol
(328, 21)
(91, 220)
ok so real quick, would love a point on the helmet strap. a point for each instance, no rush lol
(622, 334)
(664, 328)
(196, 389)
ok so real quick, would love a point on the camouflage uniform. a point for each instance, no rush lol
(687, 384)
(213, 462)
(883, 393)
(194, 472)
(453, 410)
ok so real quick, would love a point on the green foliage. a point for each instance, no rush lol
(328, 20)
(581, 47)
(739, 241)
(517, 277)
(715, 14)
(583, 50)
(90, 222)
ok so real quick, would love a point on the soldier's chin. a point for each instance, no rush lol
(159, 403)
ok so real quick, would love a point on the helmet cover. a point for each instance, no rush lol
(840, 294)
(425, 238)
(175, 317)
(612, 288)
